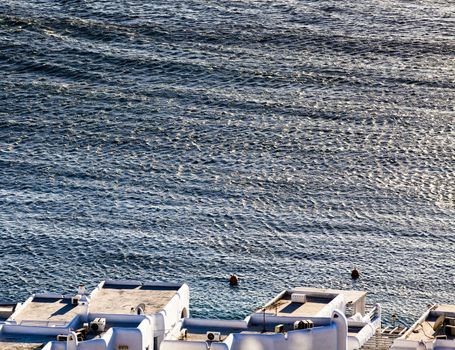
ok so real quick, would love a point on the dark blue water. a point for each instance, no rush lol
(286, 141)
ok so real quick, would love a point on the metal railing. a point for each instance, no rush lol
(36, 323)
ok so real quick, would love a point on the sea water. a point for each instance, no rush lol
(286, 141)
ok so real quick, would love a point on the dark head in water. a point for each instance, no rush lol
(355, 274)
(233, 280)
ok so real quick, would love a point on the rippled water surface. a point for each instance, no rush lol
(286, 141)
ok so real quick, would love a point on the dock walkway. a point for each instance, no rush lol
(383, 339)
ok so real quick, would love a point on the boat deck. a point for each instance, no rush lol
(120, 299)
(350, 296)
(23, 342)
(316, 300)
(286, 307)
(434, 325)
(20, 346)
(52, 311)
(6, 310)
